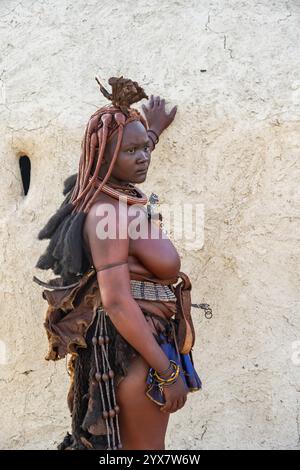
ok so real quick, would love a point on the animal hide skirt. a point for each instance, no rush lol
(99, 358)
(97, 370)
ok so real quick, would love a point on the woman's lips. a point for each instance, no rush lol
(144, 170)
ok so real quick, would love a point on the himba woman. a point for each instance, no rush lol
(116, 308)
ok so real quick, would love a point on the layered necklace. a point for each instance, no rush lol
(133, 194)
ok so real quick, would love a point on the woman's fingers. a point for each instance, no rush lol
(179, 404)
(151, 101)
(170, 407)
(166, 407)
(175, 406)
(182, 402)
(157, 100)
(173, 112)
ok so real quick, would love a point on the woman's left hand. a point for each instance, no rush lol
(157, 117)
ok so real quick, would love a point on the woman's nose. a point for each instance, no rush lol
(143, 156)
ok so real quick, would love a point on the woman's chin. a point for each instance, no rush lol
(139, 178)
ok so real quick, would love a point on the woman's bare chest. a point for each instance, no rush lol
(153, 250)
(150, 251)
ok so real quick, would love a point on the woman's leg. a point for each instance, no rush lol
(142, 424)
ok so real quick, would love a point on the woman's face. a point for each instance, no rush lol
(133, 160)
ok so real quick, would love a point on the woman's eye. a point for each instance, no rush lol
(132, 150)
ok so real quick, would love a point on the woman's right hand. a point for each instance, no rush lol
(157, 117)
(175, 396)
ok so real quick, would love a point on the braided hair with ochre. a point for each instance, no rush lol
(65, 254)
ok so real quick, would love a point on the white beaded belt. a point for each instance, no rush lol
(151, 291)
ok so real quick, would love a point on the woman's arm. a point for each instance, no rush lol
(114, 284)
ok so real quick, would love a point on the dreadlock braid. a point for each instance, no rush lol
(65, 253)
(106, 119)
(120, 119)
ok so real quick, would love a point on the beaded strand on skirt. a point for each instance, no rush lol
(115, 405)
(107, 376)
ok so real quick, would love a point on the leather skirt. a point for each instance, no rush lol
(80, 329)
(97, 370)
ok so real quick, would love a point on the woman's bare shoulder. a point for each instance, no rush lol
(105, 213)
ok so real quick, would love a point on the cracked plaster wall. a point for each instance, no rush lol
(233, 147)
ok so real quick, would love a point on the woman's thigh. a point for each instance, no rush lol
(142, 424)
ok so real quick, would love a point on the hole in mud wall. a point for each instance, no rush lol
(25, 169)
